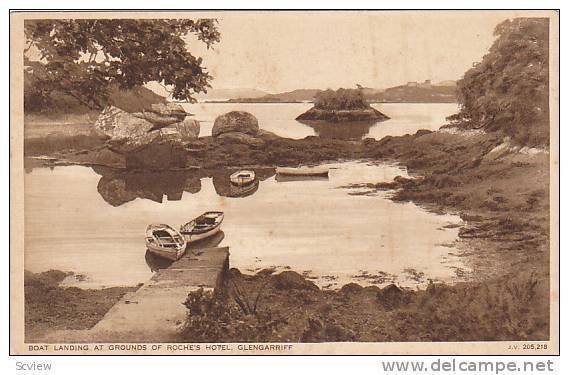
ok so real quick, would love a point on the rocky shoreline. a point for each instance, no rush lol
(340, 116)
(499, 189)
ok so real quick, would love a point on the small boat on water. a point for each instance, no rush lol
(241, 178)
(203, 226)
(165, 241)
(303, 171)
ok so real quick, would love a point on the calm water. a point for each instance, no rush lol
(92, 222)
(406, 118)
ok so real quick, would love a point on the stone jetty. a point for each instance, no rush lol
(155, 312)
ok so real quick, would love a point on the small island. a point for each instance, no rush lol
(342, 105)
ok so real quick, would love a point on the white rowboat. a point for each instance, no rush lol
(203, 226)
(165, 241)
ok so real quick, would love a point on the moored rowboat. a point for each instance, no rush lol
(241, 178)
(203, 226)
(303, 171)
(165, 241)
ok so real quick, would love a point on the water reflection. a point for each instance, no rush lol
(118, 187)
(224, 187)
(355, 130)
(71, 228)
(290, 178)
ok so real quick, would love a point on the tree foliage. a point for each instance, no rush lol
(508, 90)
(85, 58)
(340, 99)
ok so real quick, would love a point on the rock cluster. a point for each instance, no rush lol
(162, 136)
(344, 115)
(152, 139)
(129, 132)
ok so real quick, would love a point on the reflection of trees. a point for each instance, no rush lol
(118, 187)
(344, 130)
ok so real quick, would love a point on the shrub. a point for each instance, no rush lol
(340, 99)
(228, 318)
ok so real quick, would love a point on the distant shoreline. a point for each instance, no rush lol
(302, 102)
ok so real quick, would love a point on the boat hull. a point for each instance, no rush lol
(171, 254)
(164, 241)
(191, 238)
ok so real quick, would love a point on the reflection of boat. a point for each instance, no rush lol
(288, 178)
(165, 241)
(243, 191)
(156, 262)
(203, 226)
(241, 178)
(211, 241)
(303, 171)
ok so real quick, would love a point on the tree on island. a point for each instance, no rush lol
(341, 99)
(508, 90)
(88, 59)
(342, 105)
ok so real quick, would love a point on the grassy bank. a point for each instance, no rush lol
(288, 308)
(501, 190)
(50, 307)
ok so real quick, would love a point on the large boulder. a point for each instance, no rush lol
(168, 109)
(235, 121)
(117, 124)
(130, 132)
(189, 129)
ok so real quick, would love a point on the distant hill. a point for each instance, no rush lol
(136, 99)
(415, 92)
(299, 95)
(133, 100)
(412, 92)
(295, 96)
(226, 94)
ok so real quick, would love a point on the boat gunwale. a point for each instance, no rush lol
(205, 230)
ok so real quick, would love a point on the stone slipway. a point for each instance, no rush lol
(155, 312)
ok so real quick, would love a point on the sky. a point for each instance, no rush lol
(281, 51)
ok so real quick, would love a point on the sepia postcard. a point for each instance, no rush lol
(284, 182)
